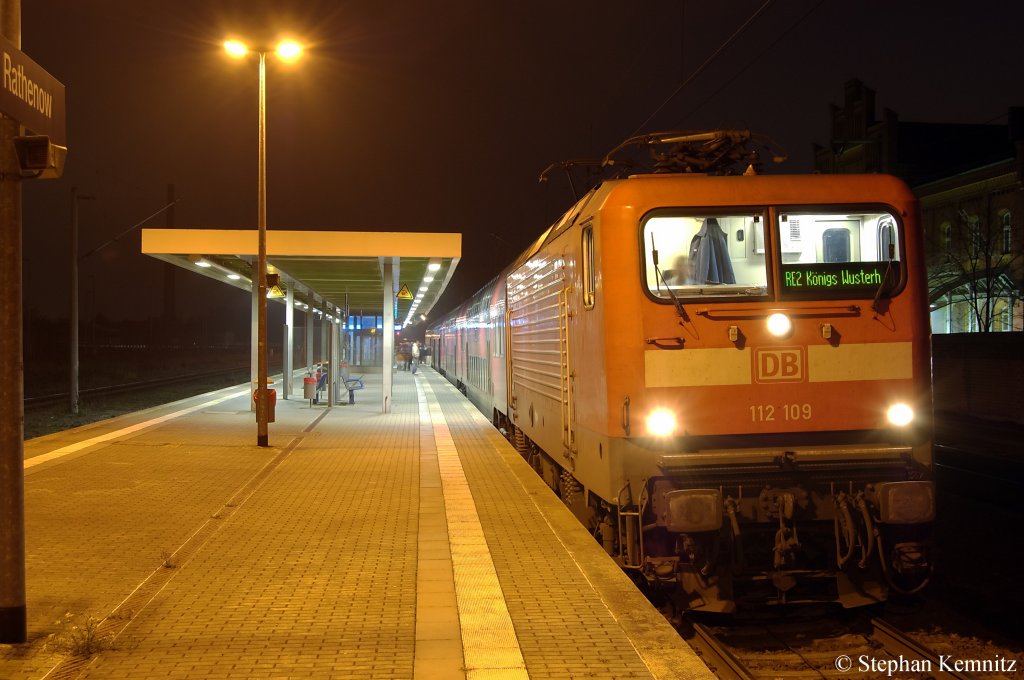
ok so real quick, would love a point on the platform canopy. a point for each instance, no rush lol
(343, 269)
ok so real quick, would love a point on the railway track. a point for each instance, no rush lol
(123, 388)
(862, 648)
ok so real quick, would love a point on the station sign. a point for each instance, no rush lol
(30, 95)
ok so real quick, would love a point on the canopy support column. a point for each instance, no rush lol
(387, 358)
(323, 333)
(309, 337)
(254, 347)
(289, 326)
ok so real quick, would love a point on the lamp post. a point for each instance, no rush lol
(287, 51)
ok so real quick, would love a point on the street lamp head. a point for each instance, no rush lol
(289, 50)
(286, 50)
(236, 48)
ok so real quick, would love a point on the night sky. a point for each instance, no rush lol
(439, 116)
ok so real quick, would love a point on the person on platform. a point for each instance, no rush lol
(404, 356)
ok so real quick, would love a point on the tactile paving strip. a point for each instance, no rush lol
(490, 646)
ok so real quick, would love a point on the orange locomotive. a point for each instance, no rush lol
(727, 378)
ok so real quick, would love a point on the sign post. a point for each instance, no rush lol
(28, 96)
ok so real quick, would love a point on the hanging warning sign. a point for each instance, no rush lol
(404, 294)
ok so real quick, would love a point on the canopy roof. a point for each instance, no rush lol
(343, 269)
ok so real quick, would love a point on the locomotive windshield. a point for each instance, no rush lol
(821, 254)
(838, 254)
(705, 255)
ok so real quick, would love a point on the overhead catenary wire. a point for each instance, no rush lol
(128, 230)
(700, 69)
(750, 62)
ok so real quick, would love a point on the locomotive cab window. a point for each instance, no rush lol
(841, 253)
(695, 255)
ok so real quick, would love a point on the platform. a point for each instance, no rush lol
(415, 544)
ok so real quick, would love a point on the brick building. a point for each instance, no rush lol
(969, 181)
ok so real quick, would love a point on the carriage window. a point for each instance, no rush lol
(704, 255)
(838, 253)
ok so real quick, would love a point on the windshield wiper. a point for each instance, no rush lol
(657, 270)
(876, 304)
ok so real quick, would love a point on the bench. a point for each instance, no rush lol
(352, 384)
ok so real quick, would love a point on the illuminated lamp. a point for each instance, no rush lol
(779, 325)
(236, 48)
(288, 50)
(900, 415)
(661, 422)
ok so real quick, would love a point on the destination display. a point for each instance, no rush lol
(836, 276)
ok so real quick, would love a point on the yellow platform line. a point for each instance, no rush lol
(99, 439)
(490, 645)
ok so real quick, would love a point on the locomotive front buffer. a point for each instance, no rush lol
(786, 527)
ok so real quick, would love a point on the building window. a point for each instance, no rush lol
(1002, 319)
(974, 236)
(1007, 233)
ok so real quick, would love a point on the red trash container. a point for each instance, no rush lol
(271, 402)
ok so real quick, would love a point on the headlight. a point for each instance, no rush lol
(900, 415)
(779, 325)
(661, 422)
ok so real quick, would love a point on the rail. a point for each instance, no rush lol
(782, 651)
(138, 386)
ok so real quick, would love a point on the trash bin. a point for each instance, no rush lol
(309, 387)
(271, 402)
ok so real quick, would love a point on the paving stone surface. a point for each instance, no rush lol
(343, 550)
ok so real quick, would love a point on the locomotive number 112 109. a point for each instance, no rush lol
(763, 413)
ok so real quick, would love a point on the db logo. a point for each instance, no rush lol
(783, 364)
